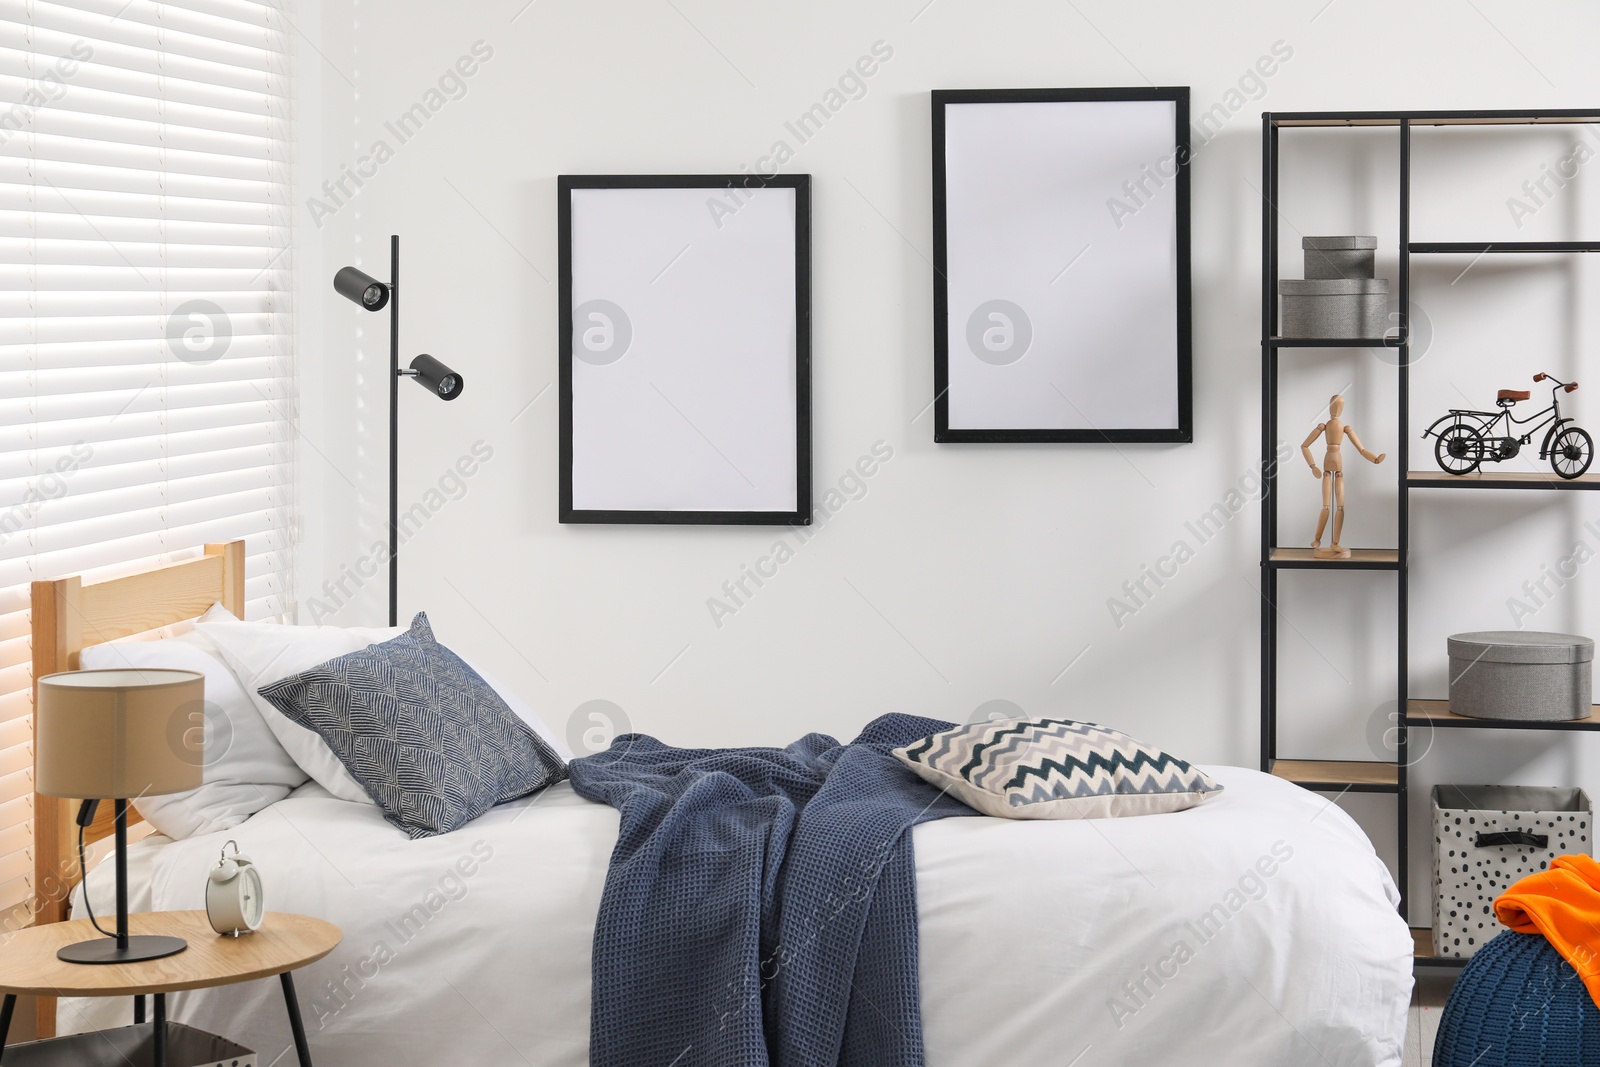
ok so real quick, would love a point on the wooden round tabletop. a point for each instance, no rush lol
(28, 962)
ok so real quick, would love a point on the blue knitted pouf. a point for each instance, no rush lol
(1518, 1004)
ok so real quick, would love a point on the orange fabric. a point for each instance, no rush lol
(1563, 904)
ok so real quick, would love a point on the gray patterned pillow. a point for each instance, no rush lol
(1055, 769)
(427, 738)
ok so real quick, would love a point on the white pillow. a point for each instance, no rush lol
(261, 653)
(245, 768)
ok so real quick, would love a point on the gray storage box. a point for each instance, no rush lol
(1485, 837)
(1337, 308)
(1339, 257)
(131, 1046)
(1521, 674)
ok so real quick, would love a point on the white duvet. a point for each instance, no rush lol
(1259, 928)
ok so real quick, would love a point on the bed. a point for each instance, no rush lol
(1258, 928)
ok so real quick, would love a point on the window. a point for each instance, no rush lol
(146, 373)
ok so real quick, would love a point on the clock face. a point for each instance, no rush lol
(253, 899)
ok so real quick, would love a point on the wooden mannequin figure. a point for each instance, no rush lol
(1332, 475)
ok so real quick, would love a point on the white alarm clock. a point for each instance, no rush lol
(235, 901)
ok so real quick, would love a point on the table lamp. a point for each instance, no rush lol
(110, 735)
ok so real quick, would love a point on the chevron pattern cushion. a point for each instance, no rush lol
(428, 739)
(1055, 769)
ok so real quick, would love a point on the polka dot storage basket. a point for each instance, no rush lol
(1484, 838)
(1518, 1004)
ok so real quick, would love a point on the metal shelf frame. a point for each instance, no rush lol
(1275, 559)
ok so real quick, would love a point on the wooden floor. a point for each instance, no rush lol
(1422, 1021)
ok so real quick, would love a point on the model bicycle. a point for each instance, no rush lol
(1466, 439)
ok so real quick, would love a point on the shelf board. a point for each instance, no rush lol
(1422, 951)
(1478, 248)
(1541, 117)
(1361, 559)
(1438, 713)
(1339, 775)
(1437, 479)
(1334, 342)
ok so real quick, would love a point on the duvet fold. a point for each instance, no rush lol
(761, 903)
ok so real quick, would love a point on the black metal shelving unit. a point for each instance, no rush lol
(1341, 776)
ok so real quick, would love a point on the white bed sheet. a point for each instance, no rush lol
(1079, 943)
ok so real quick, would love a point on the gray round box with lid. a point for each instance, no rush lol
(1521, 674)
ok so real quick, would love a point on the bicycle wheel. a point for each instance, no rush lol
(1458, 449)
(1571, 452)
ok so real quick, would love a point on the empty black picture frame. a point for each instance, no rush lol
(1176, 421)
(726, 196)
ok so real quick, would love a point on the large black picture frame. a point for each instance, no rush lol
(1176, 423)
(726, 197)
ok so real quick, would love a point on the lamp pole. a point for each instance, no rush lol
(394, 427)
(356, 286)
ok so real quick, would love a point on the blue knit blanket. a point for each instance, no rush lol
(761, 904)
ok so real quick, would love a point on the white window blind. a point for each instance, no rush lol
(146, 376)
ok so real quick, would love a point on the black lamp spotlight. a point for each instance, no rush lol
(435, 377)
(360, 288)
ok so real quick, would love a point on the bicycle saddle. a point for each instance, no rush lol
(1514, 394)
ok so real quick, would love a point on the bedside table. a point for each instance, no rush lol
(284, 944)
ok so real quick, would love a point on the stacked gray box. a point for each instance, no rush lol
(1328, 258)
(1336, 308)
(1521, 674)
(1486, 837)
(1339, 298)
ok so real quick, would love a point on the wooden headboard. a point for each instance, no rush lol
(69, 616)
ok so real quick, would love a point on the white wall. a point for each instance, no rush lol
(965, 574)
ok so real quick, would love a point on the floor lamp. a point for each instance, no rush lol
(373, 295)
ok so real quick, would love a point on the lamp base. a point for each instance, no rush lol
(104, 949)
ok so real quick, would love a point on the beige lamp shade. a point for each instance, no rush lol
(120, 734)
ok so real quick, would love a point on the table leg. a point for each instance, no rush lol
(138, 1009)
(295, 1025)
(5, 1020)
(161, 1030)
